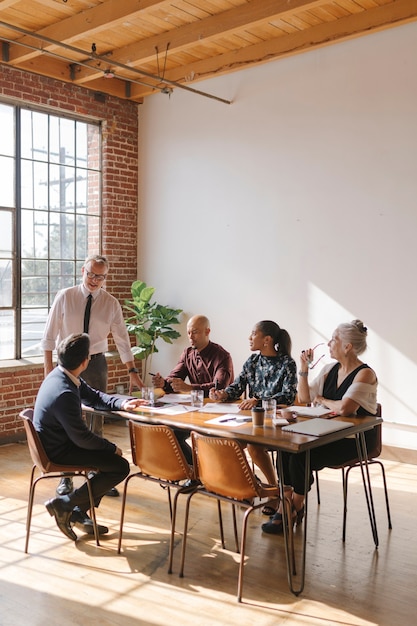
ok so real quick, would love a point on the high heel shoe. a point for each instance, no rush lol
(298, 515)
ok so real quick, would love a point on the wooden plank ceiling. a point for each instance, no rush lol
(135, 48)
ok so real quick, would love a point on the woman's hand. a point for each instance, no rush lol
(248, 404)
(306, 357)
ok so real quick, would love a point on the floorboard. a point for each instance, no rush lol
(65, 583)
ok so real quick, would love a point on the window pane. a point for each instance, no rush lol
(33, 324)
(34, 234)
(7, 146)
(62, 141)
(34, 283)
(6, 237)
(6, 283)
(34, 143)
(61, 236)
(62, 274)
(7, 180)
(7, 341)
(34, 187)
(62, 188)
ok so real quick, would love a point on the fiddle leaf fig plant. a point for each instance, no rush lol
(149, 321)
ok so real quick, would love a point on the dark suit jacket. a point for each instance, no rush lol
(58, 415)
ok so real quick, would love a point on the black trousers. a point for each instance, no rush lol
(112, 470)
(330, 455)
(96, 376)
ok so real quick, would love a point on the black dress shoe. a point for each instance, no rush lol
(65, 487)
(56, 508)
(190, 485)
(113, 493)
(85, 523)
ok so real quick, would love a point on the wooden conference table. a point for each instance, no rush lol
(274, 438)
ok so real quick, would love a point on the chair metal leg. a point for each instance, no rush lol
(185, 532)
(235, 528)
(242, 553)
(173, 521)
(92, 510)
(30, 507)
(219, 509)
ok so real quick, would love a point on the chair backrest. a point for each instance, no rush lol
(156, 451)
(221, 466)
(36, 449)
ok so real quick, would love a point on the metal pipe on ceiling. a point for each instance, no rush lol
(91, 57)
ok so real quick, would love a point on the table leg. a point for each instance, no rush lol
(288, 540)
(363, 461)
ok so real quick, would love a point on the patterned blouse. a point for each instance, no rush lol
(266, 377)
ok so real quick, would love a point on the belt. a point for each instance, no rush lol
(94, 356)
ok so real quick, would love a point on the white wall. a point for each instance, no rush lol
(295, 203)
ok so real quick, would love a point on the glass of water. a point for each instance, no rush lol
(197, 398)
(148, 393)
(270, 407)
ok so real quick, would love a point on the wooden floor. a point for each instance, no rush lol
(64, 583)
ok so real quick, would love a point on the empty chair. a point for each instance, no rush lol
(158, 455)
(49, 469)
(221, 466)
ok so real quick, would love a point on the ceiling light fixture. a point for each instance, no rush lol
(108, 74)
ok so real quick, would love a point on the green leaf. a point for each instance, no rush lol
(149, 321)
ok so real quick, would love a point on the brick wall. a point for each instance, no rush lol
(119, 119)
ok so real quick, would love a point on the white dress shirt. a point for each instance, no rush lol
(67, 316)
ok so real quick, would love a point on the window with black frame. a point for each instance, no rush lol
(50, 217)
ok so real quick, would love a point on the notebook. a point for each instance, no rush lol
(316, 427)
(311, 411)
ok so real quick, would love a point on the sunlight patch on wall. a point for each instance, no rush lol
(397, 374)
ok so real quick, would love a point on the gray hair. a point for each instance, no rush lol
(355, 333)
(97, 258)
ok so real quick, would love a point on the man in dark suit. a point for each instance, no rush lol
(68, 440)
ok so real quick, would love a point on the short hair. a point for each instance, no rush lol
(97, 258)
(355, 333)
(280, 337)
(73, 350)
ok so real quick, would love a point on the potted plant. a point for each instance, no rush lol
(148, 322)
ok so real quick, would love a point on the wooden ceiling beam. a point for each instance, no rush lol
(91, 22)
(373, 20)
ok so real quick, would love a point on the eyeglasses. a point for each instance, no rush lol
(99, 277)
(312, 365)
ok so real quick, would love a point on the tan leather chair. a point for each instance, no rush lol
(222, 467)
(372, 455)
(50, 469)
(158, 455)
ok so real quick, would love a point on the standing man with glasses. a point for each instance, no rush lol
(89, 308)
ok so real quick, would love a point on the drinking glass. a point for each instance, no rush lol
(270, 406)
(197, 398)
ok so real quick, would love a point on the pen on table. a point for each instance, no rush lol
(227, 419)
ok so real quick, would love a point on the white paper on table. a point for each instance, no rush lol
(175, 398)
(230, 419)
(171, 409)
(219, 407)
